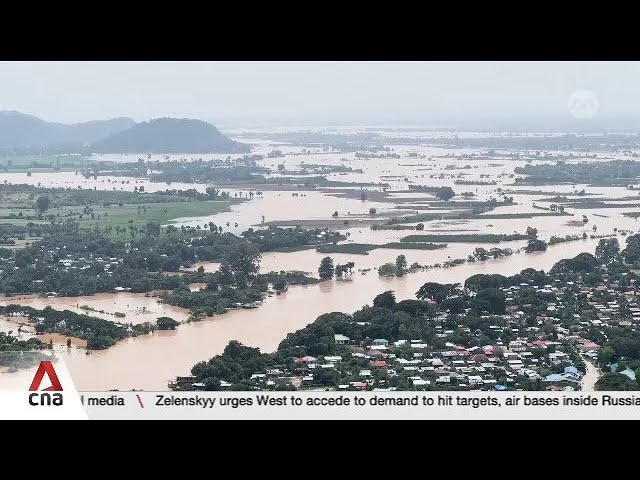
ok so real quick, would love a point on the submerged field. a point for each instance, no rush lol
(362, 189)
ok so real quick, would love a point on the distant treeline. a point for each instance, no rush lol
(614, 172)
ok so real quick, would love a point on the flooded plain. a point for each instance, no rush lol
(148, 362)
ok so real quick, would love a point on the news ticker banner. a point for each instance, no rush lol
(37, 385)
(324, 405)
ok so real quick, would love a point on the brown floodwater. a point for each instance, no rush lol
(208, 266)
(137, 308)
(196, 287)
(11, 324)
(148, 362)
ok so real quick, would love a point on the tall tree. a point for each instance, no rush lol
(385, 300)
(42, 203)
(608, 250)
(445, 193)
(244, 259)
(326, 270)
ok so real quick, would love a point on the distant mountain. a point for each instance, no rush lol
(90, 132)
(22, 132)
(169, 135)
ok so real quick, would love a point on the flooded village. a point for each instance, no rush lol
(230, 248)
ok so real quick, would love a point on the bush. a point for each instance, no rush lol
(388, 270)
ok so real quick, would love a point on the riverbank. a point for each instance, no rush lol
(143, 362)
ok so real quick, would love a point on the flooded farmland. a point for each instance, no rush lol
(148, 362)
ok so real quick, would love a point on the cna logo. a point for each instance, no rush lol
(45, 398)
(46, 367)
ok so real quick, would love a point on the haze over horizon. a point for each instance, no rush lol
(467, 95)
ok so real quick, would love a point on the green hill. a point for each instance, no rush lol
(169, 135)
(22, 132)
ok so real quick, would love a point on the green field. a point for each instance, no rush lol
(42, 164)
(163, 213)
(121, 216)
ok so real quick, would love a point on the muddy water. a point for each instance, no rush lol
(590, 377)
(208, 266)
(136, 307)
(149, 362)
(285, 206)
(11, 324)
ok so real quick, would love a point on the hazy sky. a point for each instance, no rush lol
(304, 93)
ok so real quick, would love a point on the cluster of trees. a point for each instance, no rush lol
(205, 172)
(242, 169)
(288, 278)
(554, 239)
(230, 288)
(236, 364)
(451, 298)
(482, 254)
(326, 270)
(347, 268)
(444, 193)
(616, 382)
(11, 231)
(631, 253)
(10, 343)
(279, 239)
(397, 269)
(216, 298)
(166, 323)
(614, 172)
(16, 353)
(621, 351)
(140, 263)
(46, 197)
(536, 245)
(98, 332)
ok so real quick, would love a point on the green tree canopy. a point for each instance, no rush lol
(326, 270)
(616, 382)
(385, 300)
(42, 203)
